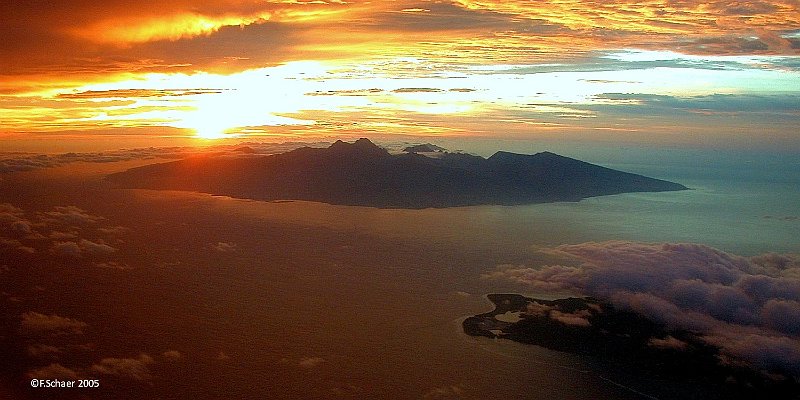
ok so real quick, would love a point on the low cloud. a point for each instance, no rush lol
(668, 343)
(112, 265)
(68, 249)
(81, 248)
(224, 247)
(63, 230)
(90, 247)
(16, 245)
(13, 223)
(114, 230)
(16, 162)
(34, 323)
(10, 211)
(43, 350)
(758, 349)
(130, 368)
(72, 216)
(310, 362)
(172, 355)
(574, 319)
(537, 309)
(747, 306)
(53, 371)
(57, 235)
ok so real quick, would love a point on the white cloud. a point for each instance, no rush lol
(722, 296)
(53, 371)
(34, 323)
(172, 355)
(81, 248)
(782, 316)
(310, 362)
(131, 368)
(72, 215)
(13, 223)
(574, 319)
(93, 248)
(42, 350)
(63, 230)
(223, 247)
(668, 343)
(16, 245)
(69, 249)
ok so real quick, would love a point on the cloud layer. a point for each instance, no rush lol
(70, 233)
(748, 306)
(67, 57)
(85, 38)
(129, 368)
(34, 324)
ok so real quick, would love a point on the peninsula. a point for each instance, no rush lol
(669, 362)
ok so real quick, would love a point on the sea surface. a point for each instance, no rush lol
(746, 203)
(307, 300)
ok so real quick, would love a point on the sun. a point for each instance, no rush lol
(207, 123)
(211, 133)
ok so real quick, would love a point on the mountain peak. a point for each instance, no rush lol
(364, 142)
(360, 146)
(506, 156)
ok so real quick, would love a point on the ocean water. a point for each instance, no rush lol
(745, 203)
(310, 300)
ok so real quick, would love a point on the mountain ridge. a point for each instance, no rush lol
(364, 174)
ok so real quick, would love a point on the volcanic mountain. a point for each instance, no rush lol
(364, 174)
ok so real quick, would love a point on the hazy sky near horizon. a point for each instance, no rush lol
(688, 73)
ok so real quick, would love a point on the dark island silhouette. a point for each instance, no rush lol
(673, 363)
(364, 174)
(424, 148)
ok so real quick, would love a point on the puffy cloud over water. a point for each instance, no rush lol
(747, 306)
(81, 248)
(310, 362)
(63, 231)
(130, 368)
(34, 323)
(72, 215)
(53, 371)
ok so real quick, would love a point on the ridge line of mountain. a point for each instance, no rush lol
(364, 174)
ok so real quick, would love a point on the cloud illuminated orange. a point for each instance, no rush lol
(388, 65)
(82, 38)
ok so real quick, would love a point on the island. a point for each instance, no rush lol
(630, 342)
(364, 174)
(424, 148)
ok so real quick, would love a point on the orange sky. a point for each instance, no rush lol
(109, 51)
